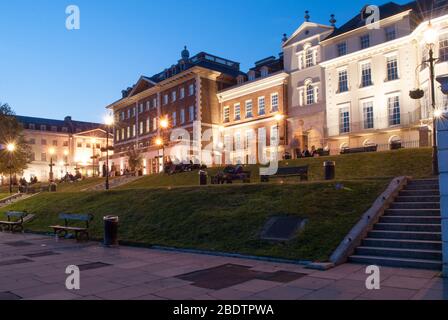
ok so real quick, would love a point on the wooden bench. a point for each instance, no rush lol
(286, 172)
(16, 220)
(80, 233)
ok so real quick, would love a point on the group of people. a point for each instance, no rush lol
(306, 153)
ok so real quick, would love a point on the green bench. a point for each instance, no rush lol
(16, 220)
(81, 233)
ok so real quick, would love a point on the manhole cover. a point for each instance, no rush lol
(41, 254)
(18, 244)
(8, 296)
(230, 275)
(282, 228)
(13, 262)
(91, 266)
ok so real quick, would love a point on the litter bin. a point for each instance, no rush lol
(203, 178)
(111, 231)
(52, 187)
(329, 170)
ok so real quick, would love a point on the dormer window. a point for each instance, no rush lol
(240, 79)
(264, 71)
(251, 75)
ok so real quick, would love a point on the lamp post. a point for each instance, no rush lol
(66, 153)
(109, 121)
(11, 147)
(51, 151)
(164, 124)
(93, 156)
(430, 37)
(278, 117)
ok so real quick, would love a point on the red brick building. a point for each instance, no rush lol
(185, 96)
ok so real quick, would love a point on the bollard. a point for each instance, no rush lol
(329, 170)
(111, 230)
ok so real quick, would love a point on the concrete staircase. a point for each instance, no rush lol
(15, 198)
(409, 233)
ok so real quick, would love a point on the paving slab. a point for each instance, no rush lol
(128, 273)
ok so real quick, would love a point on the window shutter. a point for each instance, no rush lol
(316, 94)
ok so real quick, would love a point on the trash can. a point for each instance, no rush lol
(203, 178)
(329, 170)
(111, 231)
(53, 187)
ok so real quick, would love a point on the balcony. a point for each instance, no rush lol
(378, 125)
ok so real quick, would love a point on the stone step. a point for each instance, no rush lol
(411, 219)
(397, 262)
(408, 227)
(405, 235)
(422, 187)
(411, 193)
(400, 253)
(403, 244)
(415, 205)
(423, 182)
(420, 198)
(412, 212)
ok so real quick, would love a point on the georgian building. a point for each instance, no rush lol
(253, 112)
(369, 72)
(185, 96)
(306, 99)
(70, 145)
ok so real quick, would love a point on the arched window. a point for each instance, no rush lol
(310, 99)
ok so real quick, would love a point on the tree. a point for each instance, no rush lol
(135, 160)
(12, 132)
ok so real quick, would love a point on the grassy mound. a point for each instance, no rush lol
(221, 218)
(410, 162)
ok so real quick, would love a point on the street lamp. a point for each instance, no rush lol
(430, 37)
(278, 117)
(51, 151)
(93, 156)
(11, 147)
(164, 124)
(109, 121)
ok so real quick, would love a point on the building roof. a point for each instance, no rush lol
(64, 126)
(202, 59)
(386, 10)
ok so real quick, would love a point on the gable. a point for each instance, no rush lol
(142, 85)
(308, 30)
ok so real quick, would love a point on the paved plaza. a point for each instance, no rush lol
(33, 267)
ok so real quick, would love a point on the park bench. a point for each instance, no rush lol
(230, 174)
(16, 220)
(286, 172)
(81, 233)
(372, 148)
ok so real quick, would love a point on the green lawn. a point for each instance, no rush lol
(221, 218)
(411, 162)
(80, 185)
(4, 195)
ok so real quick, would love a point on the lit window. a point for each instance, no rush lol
(443, 47)
(182, 93)
(392, 68)
(173, 96)
(365, 41)
(191, 89)
(309, 59)
(174, 120)
(341, 49)
(391, 33)
(182, 116)
(393, 104)
(366, 75)
(249, 113)
(191, 113)
(264, 72)
(148, 105)
(165, 99)
(310, 99)
(343, 81)
(274, 102)
(261, 106)
(237, 111)
(344, 120)
(154, 124)
(226, 115)
(368, 115)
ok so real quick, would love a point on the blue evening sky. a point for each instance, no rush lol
(48, 71)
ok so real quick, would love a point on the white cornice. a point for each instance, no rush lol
(302, 27)
(254, 86)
